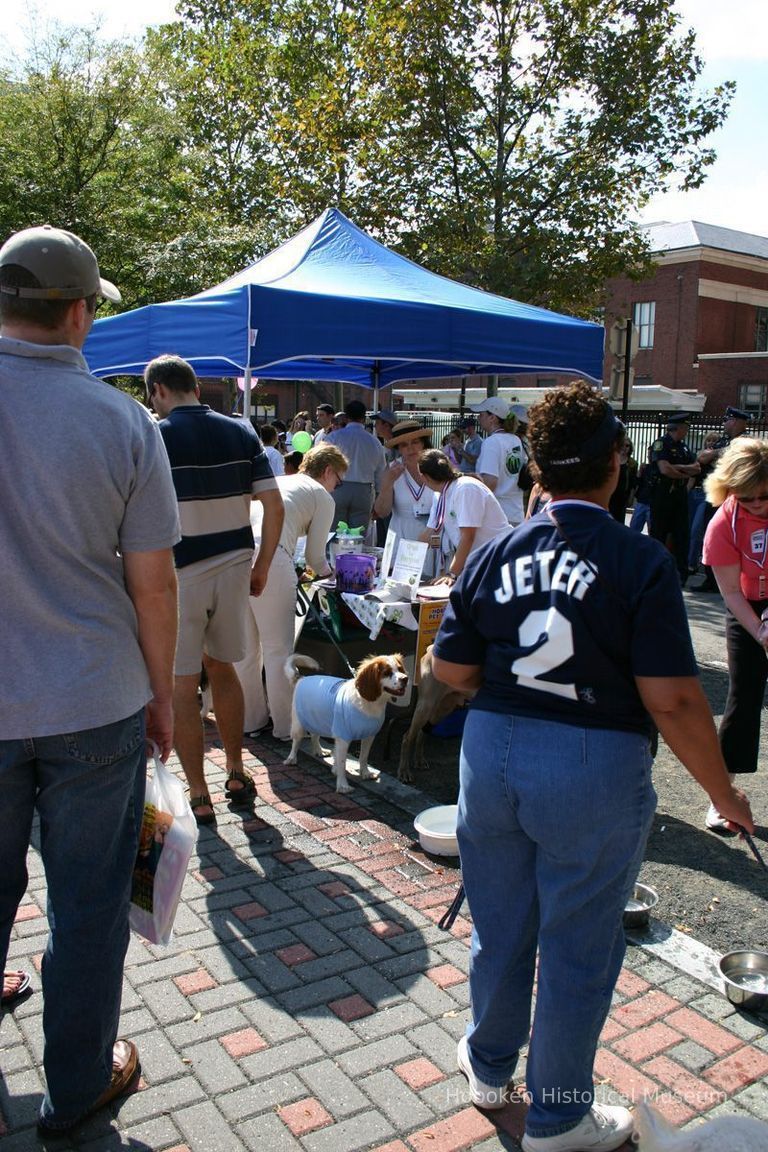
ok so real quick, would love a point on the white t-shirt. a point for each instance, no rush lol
(309, 511)
(275, 460)
(503, 455)
(469, 504)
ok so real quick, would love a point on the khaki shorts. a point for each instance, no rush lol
(212, 615)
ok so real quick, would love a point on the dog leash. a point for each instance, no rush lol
(310, 606)
(448, 918)
(752, 847)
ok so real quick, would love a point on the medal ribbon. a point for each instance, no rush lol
(412, 488)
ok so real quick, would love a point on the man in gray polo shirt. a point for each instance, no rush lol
(88, 519)
(354, 497)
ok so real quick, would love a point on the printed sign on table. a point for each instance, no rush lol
(430, 615)
(409, 563)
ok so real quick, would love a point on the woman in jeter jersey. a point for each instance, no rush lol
(573, 633)
(735, 549)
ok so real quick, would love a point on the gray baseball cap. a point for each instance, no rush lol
(62, 263)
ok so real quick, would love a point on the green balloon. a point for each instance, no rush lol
(301, 442)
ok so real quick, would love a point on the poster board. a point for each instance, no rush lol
(430, 616)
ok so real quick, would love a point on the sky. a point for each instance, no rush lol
(732, 38)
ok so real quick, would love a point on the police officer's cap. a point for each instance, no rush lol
(737, 414)
(675, 419)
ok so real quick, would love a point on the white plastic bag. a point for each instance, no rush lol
(167, 841)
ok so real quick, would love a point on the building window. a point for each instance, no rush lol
(644, 319)
(754, 398)
(761, 330)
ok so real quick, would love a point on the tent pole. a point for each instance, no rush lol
(376, 378)
(463, 396)
(247, 394)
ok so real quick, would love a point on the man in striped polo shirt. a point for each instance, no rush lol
(218, 466)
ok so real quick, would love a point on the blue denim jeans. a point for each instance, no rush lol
(552, 826)
(88, 788)
(697, 510)
(641, 516)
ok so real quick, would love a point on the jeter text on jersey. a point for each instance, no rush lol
(546, 572)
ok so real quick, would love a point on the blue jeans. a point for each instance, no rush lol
(641, 515)
(552, 826)
(88, 788)
(697, 507)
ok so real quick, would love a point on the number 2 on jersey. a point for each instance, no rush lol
(554, 635)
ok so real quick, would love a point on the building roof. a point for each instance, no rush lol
(666, 237)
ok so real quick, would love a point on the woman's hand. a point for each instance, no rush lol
(762, 634)
(395, 469)
(734, 807)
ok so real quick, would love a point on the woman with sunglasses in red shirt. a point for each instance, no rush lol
(735, 546)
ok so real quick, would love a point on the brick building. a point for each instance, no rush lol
(702, 319)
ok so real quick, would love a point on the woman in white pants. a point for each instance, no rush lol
(309, 511)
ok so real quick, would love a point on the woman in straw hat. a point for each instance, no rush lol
(403, 492)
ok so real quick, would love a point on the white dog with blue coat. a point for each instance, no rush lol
(346, 710)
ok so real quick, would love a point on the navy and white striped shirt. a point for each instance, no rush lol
(218, 464)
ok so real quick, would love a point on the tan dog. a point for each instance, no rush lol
(723, 1134)
(435, 702)
(347, 710)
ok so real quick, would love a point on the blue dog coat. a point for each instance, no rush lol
(324, 709)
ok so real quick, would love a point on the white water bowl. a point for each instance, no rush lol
(437, 830)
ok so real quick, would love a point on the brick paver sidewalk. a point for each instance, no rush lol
(310, 1003)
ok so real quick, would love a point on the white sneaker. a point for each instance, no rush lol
(717, 823)
(487, 1096)
(605, 1126)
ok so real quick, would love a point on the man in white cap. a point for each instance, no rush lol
(501, 456)
(88, 629)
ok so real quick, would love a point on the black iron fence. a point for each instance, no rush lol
(642, 428)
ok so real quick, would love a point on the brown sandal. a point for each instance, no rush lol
(202, 801)
(245, 793)
(126, 1070)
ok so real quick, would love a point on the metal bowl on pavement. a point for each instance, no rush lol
(638, 908)
(745, 977)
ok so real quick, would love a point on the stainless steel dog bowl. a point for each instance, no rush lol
(639, 905)
(745, 976)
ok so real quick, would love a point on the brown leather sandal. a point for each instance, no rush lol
(202, 801)
(126, 1070)
(245, 793)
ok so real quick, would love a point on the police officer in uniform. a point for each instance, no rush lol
(673, 464)
(734, 424)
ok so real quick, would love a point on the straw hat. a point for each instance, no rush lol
(406, 431)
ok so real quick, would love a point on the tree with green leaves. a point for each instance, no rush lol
(524, 135)
(88, 145)
(507, 143)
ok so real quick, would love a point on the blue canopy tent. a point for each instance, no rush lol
(334, 304)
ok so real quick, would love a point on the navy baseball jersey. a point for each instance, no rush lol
(563, 616)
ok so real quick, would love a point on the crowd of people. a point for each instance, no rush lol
(140, 551)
